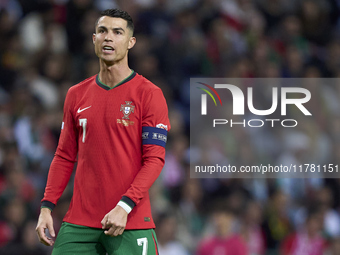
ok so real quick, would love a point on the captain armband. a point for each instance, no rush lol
(153, 135)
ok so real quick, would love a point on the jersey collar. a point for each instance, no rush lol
(104, 86)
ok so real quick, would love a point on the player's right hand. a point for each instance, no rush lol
(45, 221)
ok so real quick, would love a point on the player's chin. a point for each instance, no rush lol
(108, 60)
(107, 57)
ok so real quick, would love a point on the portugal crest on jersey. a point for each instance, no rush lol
(127, 109)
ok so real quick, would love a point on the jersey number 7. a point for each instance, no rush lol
(82, 123)
(143, 242)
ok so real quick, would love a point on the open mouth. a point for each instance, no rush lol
(108, 49)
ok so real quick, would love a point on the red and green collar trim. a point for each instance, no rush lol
(104, 86)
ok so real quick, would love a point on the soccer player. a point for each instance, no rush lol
(117, 123)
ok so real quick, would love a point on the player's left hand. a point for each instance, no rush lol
(115, 221)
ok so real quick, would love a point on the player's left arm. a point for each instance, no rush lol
(155, 125)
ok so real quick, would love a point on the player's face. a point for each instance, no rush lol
(112, 39)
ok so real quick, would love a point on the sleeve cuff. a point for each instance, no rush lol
(47, 204)
(127, 204)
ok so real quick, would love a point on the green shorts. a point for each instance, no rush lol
(76, 239)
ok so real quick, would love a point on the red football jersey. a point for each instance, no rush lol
(119, 135)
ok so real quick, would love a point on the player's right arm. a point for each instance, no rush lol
(60, 170)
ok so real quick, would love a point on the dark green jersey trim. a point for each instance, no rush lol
(47, 204)
(128, 201)
(104, 86)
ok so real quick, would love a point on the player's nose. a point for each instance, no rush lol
(108, 36)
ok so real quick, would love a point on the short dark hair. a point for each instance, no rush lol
(117, 13)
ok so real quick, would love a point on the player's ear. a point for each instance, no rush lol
(93, 37)
(132, 42)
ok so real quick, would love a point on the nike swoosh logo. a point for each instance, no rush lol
(79, 111)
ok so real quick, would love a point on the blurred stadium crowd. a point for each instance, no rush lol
(46, 47)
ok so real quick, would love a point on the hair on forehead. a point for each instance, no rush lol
(117, 13)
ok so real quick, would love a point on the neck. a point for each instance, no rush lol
(111, 75)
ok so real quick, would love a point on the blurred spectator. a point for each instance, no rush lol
(334, 247)
(76, 12)
(276, 225)
(190, 213)
(15, 216)
(17, 186)
(308, 239)
(29, 245)
(166, 236)
(251, 229)
(224, 240)
(331, 219)
(315, 21)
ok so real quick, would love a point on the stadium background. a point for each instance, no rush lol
(46, 47)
